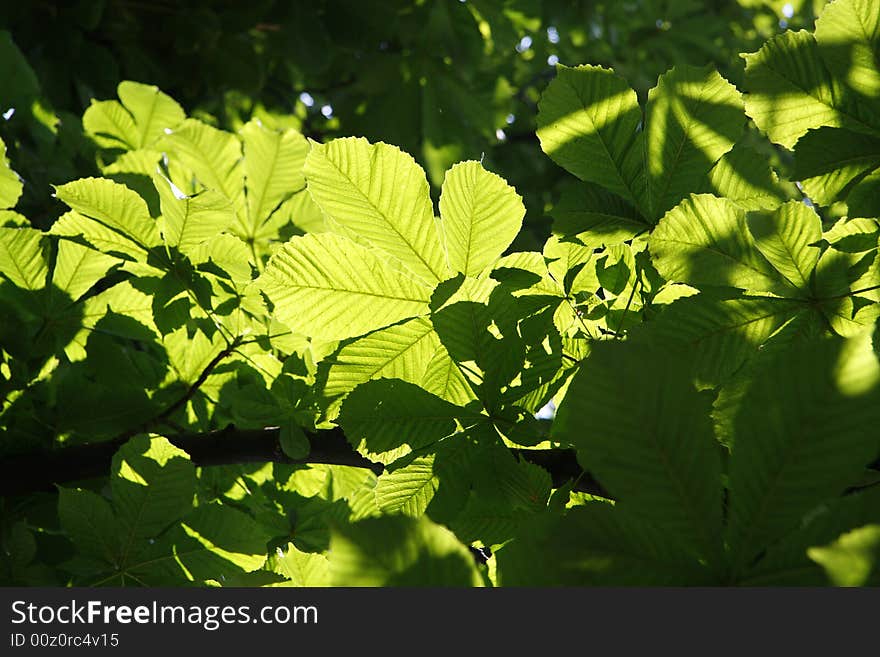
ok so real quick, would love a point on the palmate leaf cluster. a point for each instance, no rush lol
(705, 330)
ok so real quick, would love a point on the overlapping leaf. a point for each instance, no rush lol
(651, 454)
(590, 123)
(142, 116)
(813, 435)
(380, 195)
(818, 94)
(328, 286)
(399, 551)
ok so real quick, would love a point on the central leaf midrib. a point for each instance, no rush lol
(617, 169)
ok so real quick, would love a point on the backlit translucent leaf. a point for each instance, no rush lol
(409, 488)
(327, 286)
(142, 117)
(301, 568)
(213, 542)
(193, 220)
(386, 419)
(214, 157)
(444, 379)
(379, 194)
(110, 125)
(78, 268)
(819, 407)
(785, 237)
(481, 214)
(597, 217)
(153, 484)
(10, 184)
(704, 241)
(588, 122)
(135, 170)
(23, 258)
(837, 276)
(624, 412)
(273, 163)
(77, 227)
(114, 205)
(853, 559)
(399, 551)
(848, 32)
(154, 112)
(745, 177)
(829, 159)
(693, 116)
(791, 91)
(401, 351)
(722, 334)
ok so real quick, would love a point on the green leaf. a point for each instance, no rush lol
(76, 227)
(213, 156)
(704, 241)
(408, 489)
(401, 351)
(153, 484)
(721, 334)
(838, 275)
(23, 257)
(588, 123)
(273, 163)
(380, 195)
(482, 338)
(643, 430)
(745, 177)
(20, 82)
(190, 352)
(190, 221)
(78, 268)
(694, 116)
(787, 563)
(387, 418)
(828, 160)
(814, 433)
(153, 111)
(848, 32)
(143, 117)
(853, 559)
(213, 542)
(863, 201)
(444, 379)
(89, 521)
(301, 568)
(110, 125)
(481, 214)
(399, 551)
(294, 442)
(596, 216)
(596, 544)
(10, 184)
(113, 205)
(788, 238)
(791, 91)
(329, 287)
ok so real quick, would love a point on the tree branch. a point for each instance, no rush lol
(41, 471)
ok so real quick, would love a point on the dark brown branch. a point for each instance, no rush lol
(180, 403)
(41, 471)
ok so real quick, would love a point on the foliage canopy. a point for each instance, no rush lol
(241, 346)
